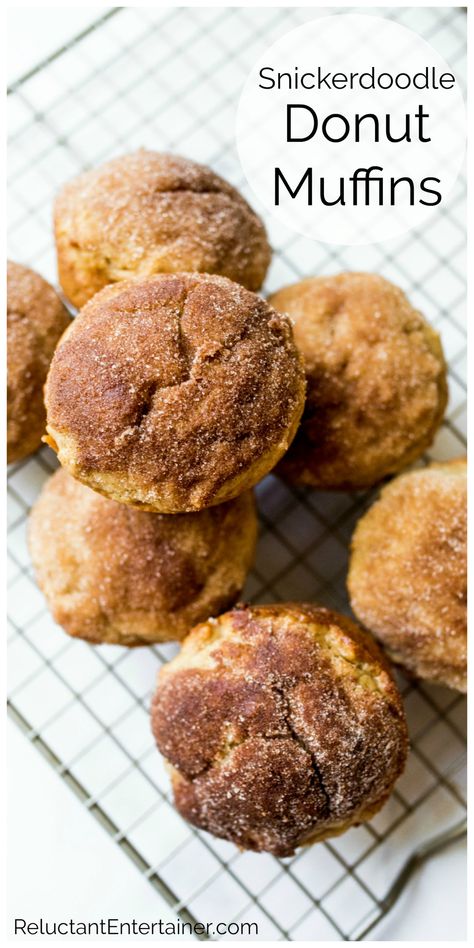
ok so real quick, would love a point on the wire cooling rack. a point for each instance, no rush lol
(170, 79)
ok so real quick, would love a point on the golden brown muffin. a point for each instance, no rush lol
(36, 319)
(174, 393)
(407, 578)
(282, 726)
(148, 213)
(113, 574)
(376, 381)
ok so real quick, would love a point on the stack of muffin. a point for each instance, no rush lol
(170, 395)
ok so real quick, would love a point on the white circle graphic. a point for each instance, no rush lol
(351, 129)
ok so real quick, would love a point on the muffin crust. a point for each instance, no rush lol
(36, 319)
(147, 213)
(408, 573)
(117, 575)
(282, 726)
(376, 379)
(174, 393)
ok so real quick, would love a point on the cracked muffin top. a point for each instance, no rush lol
(114, 574)
(36, 318)
(408, 572)
(282, 726)
(376, 379)
(174, 393)
(148, 213)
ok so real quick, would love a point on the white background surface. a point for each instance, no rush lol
(59, 856)
(47, 31)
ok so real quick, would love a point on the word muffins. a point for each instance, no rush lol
(282, 726)
(376, 381)
(408, 572)
(36, 319)
(149, 213)
(174, 393)
(113, 574)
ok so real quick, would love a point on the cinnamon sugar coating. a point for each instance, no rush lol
(148, 213)
(113, 574)
(408, 573)
(376, 379)
(36, 318)
(282, 726)
(174, 393)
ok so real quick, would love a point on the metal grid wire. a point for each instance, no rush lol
(170, 79)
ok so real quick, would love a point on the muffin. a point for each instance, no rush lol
(282, 726)
(113, 574)
(407, 578)
(36, 318)
(376, 381)
(149, 213)
(173, 393)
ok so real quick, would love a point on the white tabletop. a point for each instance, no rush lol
(63, 865)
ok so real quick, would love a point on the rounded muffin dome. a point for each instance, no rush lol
(148, 213)
(282, 726)
(408, 572)
(376, 380)
(113, 574)
(174, 393)
(36, 318)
